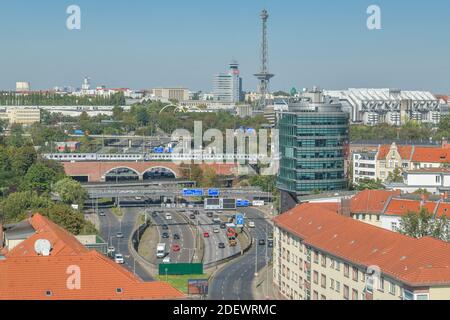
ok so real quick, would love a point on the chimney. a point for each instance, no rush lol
(345, 209)
(445, 144)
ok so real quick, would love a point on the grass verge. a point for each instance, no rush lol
(181, 282)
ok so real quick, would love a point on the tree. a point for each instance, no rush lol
(39, 178)
(63, 215)
(369, 184)
(71, 192)
(423, 224)
(266, 183)
(16, 206)
(395, 176)
(210, 178)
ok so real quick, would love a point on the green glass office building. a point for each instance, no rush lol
(313, 144)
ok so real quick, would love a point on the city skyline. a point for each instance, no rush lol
(137, 44)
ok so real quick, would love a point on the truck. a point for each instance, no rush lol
(161, 250)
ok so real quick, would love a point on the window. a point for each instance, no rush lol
(323, 281)
(324, 261)
(394, 226)
(322, 297)
(48, 293)
(338, 266)
(381, 285)
(338, 286)
(316, 277)
(315, 295)
(346, 270)
(355, 274)
(346, 292)
(316, 257)
(423, 296)
(438, 179)
(119, 290)
(332, 263)
(355, 294)
(332, 284)
(392, 288)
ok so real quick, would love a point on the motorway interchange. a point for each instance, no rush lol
(231, 280)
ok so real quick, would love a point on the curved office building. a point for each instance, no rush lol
(313, 145)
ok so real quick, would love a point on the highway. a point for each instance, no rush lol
(234, 281)
(179, 226)
(110, 225)
(212, 251)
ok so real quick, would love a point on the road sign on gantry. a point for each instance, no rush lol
(193, 192)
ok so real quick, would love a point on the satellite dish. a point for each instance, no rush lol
(42, 247)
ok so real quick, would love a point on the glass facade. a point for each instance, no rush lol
(313, 146)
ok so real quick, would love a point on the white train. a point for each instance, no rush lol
(69, 157)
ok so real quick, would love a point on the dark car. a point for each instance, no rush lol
(165, 235)
(221, 245)
(165, 227)
(270, 243)
(154, 214)
(176, 236)
(192, 216)
(223, 226)
(209, 214)
(196, 212)
(262, 242)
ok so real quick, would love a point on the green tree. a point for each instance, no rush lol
(395, 176)
(71, 191)
(17, 205)
(39, 178)
(422, 224)
(369, 184)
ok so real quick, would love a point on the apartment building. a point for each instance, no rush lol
(378, 163)
(166, 94)
(320, 254)
(21, 115)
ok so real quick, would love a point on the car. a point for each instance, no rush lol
(192, 216)
(209, 214)
(206, 234)
(176, 236)
(251, 224)
(119, 235)
(166, 260)
(221, 245)
(176, 248)
(111, 250)
(102, 213)
(217, 221)
(196, 212)
(223, 226)
(262, 242)
(138, 198)
(165, 235)
(165, 227)
(118, 258)
(154, 214)
(168, 216)
(270, 243)
(216, 230)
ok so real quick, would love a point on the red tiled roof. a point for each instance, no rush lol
(371, 201)
(26, 276)
(416, 262)
(30, 278)
(400, 207)
(63, 243)
(432, 155)
(404, 151)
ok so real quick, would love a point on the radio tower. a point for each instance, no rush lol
(264, 76)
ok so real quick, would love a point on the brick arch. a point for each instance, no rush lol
(122, 167)
(175, 172)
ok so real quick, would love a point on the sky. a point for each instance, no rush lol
(142, 44)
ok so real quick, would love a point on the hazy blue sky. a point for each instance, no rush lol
(146, 43)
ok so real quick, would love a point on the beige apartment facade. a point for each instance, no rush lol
(21, 115)
(179, 94)
(304, 270)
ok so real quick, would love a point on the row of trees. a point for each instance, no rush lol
(29, 183)
(410, 131)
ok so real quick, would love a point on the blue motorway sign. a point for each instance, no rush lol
(240, 220)
(213, 192)
(193, 192)
(242, 203)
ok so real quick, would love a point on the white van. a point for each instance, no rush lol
(161, 250)
(168, 216)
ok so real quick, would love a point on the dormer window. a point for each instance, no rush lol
(48, 293)
(119, 290)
